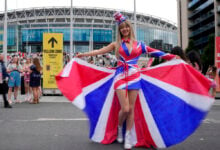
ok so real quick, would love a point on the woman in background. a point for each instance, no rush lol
(26, 73)
(35, 77)
(14, 69)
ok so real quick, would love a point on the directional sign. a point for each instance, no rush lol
(52, 58)
(53, 41)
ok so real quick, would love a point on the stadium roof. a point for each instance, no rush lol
(58, 15)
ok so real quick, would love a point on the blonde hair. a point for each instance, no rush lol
(119, 36)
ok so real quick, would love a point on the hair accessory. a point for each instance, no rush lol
(119, 18)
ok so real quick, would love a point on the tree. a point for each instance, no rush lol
(191, 46)
(208, 55)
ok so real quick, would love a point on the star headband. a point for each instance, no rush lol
(119, 18)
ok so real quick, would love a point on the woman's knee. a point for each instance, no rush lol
(125, 109)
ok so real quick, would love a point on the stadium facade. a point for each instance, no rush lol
(92, 28)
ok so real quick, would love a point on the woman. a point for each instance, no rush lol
(211, 74)
(93, 89)
(14, 69)
(194, 60)
(3, 82)
(126, 43)
(35, 77)
(26, 73)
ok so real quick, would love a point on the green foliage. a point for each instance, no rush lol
(208, 55)
(191, 46)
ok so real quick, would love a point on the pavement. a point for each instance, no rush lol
(62, 99)
(55, 124)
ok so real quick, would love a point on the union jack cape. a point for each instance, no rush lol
(172, 102)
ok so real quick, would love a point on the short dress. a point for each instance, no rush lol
(35, 77)
(173, 98)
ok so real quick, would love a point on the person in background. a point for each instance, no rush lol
(35, 79)
(14, 69)
(179, 51)
(211, 74)
(26, 73)
(3, 82)
(194, 60)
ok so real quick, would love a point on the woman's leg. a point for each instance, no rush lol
(16, 94)
(34, 95)
(26, 90)
(132, 96)
(124, 102)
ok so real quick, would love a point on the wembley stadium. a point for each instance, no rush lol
(92, 28)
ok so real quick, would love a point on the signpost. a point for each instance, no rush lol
(52, 58)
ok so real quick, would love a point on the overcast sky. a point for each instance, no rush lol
(166, 9)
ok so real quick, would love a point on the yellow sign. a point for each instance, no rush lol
(52, 58)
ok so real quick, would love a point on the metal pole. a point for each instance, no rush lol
(5, 43)
(71, 30)
(135, 20)
(17, 40)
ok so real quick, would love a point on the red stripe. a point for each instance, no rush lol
(112, 124)
(182, 76)
(80, 76)
(126, 80)
(144, 138)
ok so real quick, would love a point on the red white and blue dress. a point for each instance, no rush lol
(173, 97)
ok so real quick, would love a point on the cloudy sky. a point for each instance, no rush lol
(166, 9)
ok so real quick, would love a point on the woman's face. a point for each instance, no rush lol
(124, 29)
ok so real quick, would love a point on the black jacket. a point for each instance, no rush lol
(4, 71)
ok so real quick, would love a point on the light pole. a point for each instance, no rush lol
(5, 42)
(135, 20)
(71, 30)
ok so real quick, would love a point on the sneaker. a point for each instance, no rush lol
(128, 144)
(120, 135)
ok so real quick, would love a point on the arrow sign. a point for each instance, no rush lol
(52, 41)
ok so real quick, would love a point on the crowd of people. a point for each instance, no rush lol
(22, 74)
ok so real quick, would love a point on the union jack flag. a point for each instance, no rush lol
(173, 100)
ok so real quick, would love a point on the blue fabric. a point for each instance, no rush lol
(93, 106)
(15, 79)
(125, 49)
(157, 54)
(143, 48)
(175, 119)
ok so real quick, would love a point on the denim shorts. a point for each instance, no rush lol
(15, 79)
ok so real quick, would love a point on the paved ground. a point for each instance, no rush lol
(55, 124)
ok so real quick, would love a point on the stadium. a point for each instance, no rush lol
(92, 28)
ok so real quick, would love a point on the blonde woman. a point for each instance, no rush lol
(14, 69)
(127, 51)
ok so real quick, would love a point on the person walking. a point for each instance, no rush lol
(3, 82)
(35, 79)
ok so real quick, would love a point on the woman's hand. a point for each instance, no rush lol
(178, 57)
(79, 55)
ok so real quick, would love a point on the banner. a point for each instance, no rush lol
(52, 58)
(217, 61)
